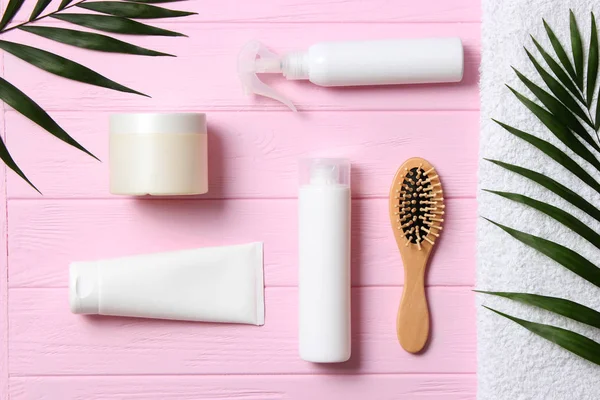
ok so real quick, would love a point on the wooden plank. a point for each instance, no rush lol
(46, 339)
(4, 372)
(255, 154)
(236, 387)
(204, 78)
(302, 11)
(45, 236)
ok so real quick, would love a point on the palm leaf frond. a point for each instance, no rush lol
(112, 24)
(554, 186)
(12, 9)
(560, 52)
(559, 253)
(556, 213)
(558, 109)
(91, 41)
(62, 67)
(10, 163)
(30, 109)
(592, 67)
(556, 154)
(577, 49)
(568, 340)
(566, 308)
(133, 10)
(64, 3)
(40, 6)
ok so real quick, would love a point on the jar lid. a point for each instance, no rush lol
(137, 123)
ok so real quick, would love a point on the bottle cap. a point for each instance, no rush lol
(84, 288)
(256, 58)
(325, 171)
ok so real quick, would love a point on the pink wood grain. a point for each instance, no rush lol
(204, 77)
(249, 387)
(255, 144)
(43, 233)
(236, 11)
(255, 154)
(46, 339)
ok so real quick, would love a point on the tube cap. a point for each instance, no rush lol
(324, 171)
(84, 288)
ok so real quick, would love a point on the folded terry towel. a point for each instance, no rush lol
(512, 362)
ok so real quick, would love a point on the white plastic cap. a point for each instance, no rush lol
(256, 58)
(84, 288)
(146, 123)
(325, 171)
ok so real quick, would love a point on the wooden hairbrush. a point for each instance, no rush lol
(416, 213)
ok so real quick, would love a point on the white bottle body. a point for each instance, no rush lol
(214, 284)
(381, 62)
(324, 273)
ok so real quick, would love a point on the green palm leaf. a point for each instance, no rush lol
(560, 52)
(592, 68)
(30, 109)
(40, 6)
(562, 255)
(10, 163)
(556, 213)
(577, 49)
(556, 154)
(559, 91)
(109, 23)
(553, 186)
(12, 9)
(64, 3)
(133, 10)
(564, 307)
(559, 72)
(559, 110)
(568, 340)
(558, 129)
(92, 41)
(61, 66)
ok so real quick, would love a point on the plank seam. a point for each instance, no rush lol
(182, 198)
(4, 287)
(25, 376)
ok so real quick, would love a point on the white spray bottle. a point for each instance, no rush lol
(357, 63)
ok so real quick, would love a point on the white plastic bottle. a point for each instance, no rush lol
(324, 260)
(355, 63)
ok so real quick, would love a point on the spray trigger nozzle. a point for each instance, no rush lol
(255, 58)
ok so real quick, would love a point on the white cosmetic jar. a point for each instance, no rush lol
(158, 154)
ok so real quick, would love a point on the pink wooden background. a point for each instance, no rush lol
(48, 353)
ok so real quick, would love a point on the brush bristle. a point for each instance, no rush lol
(420, 206)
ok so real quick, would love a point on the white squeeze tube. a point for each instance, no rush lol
(213, 284)
(354, 63)
(324, 260)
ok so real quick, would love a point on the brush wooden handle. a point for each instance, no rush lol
(412, 324)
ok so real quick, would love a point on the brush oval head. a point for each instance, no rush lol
(416, 205)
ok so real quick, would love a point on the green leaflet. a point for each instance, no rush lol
(559, 110)
(564, 307)
(12, 9)
(592, 67)
(64, 3)
(559, 130)
(553, 186)
(562, 255)
(92, 41)
(30, 109)
(61, 66)
(40, 6)
(110, 23)
(559, 72)
(571, 341)
(8, 160)
(556, 213)
(556, 154)
(560, 52)
(577, 49)
(132, 10)
(559, 91)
